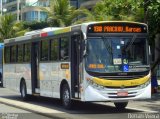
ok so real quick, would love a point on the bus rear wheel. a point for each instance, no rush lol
(120, 105)
(23, 90)
(66, 99)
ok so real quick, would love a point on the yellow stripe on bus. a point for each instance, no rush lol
(121, 82)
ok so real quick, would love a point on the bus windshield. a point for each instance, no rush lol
(116, 54)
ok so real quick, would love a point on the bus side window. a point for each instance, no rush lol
(44, 50)
(20, 53)
(13, 54)
(54, 49)
(7, 54)
(64, 47)
(27, 54)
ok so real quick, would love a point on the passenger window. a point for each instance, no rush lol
(44, 50)
(7, 54)
(27, 52)
(54, 49)
(13, 54)
(64, 47)
(20, 53)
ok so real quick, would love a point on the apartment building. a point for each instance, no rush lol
(26, 10)
(30, 10)
(84, 3)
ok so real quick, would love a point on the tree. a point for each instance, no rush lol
(18, 28)
(61, 13)
(9, 28)
(35, 25)
(130, 10)
(153, 19)
(6, 26)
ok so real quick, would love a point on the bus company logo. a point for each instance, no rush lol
(122, 74)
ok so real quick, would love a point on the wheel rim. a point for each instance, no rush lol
(66, 97)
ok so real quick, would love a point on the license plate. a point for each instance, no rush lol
(122, 93)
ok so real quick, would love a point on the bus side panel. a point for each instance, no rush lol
(47, 80)
(24, 71)
(9, 76)
(13, 73)
(51, 76)
(64, 74)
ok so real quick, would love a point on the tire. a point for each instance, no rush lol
(23, 90)
(121, 105)
(66, 99)
(1, 80)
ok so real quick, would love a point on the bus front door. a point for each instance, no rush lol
(35, 67)
(75, 61)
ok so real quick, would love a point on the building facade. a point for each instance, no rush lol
(26, 10)
(30, 10)
(84, 3)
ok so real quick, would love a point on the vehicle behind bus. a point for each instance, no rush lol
(1, 63)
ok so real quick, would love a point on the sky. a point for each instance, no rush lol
(30, 2)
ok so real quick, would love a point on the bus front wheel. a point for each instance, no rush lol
(120, 105)
(66, 99)
(23, 90)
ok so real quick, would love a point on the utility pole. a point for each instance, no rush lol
(1, 8)
(18, 2)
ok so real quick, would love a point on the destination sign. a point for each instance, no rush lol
(117, 27)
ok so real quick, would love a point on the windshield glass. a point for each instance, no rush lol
(116, 54)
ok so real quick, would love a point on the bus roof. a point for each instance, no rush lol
(50, 31)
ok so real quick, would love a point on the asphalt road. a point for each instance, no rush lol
(53, 108)
(9, 112)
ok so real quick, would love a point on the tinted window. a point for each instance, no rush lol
(13, 53)
(54, 49)
(20, 53)
(64, 46)
(44, 50)
(27, 53)
(7, 54)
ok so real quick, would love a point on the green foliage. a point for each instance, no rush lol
(19, 29)
(6, 26)
(153, 18)
(9, 28)
(129, 10)
(61, 13)
(35, 25)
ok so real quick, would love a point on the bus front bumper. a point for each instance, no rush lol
(110, 94)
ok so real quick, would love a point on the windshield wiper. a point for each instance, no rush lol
(130, 44)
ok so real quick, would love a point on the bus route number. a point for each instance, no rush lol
(98, 28)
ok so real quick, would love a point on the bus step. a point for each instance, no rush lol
(76, 95)
(36, 94)
(37, 90)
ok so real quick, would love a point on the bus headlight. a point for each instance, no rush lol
(94, 85)
(144, 85)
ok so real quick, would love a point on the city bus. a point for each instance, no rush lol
(91, 62)
(1, 63)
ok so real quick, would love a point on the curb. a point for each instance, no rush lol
(23, 105)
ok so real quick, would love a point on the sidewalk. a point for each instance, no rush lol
(152, 104)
